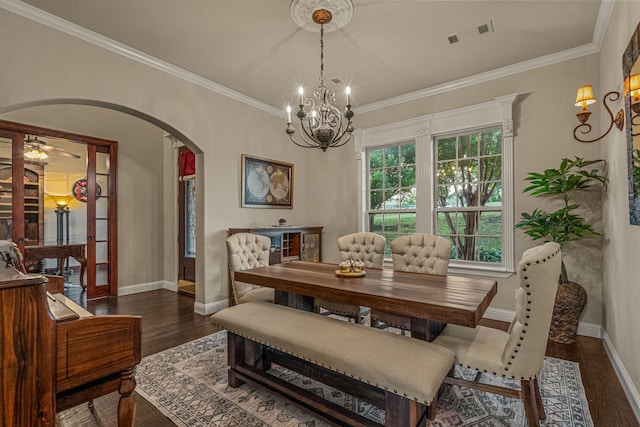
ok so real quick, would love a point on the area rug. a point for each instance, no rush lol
(188, 384)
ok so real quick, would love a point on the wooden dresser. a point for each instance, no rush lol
(48, 365)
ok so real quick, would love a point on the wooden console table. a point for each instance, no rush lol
(34, 254)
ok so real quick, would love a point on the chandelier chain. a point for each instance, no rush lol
(322, 54)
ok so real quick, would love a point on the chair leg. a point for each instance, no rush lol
(530, 405)
(541, 413)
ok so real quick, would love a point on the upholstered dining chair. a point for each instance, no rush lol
(246, 251)
(366, 247)
(416, 253)
(518, 353)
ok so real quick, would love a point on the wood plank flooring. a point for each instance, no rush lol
(168, 320)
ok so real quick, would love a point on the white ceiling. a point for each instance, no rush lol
(390, 48)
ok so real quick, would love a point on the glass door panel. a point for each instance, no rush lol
(6, 217)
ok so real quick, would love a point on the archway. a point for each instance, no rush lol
(145, 241)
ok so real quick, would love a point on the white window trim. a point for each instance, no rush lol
(422, 130)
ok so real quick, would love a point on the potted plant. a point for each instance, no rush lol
(562, 226)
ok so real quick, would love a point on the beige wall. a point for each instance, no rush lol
(622, 240)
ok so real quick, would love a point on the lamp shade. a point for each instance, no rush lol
(634, 85)
(585, 96)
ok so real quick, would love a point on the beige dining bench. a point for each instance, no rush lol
(397, 373)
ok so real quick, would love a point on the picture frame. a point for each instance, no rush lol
(266, 183)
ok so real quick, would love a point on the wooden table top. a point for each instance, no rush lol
(453, 299)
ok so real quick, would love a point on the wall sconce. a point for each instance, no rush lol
(585, 97)
(634, 100)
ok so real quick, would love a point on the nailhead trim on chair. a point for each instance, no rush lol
(527, 316)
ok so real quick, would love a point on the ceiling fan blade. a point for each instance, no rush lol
(33, 143)
(58, 151)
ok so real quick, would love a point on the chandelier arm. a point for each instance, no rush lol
(306, 135)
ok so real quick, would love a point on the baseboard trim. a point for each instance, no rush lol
(584, 328)
(627, 384)
(210, 308)
(198, 308)
(146, 287)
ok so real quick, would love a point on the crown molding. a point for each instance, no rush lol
(57, 23)
(42, 17)
(487, 76)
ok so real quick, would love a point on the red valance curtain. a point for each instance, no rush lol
(187, 164)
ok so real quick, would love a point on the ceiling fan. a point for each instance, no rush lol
(38, 149)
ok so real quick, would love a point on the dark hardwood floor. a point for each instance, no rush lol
(168, 320)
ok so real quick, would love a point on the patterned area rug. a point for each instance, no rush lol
(188, 384)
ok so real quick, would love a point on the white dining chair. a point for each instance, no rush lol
(366, 247)
(519, 352)
(246, 251)
(416, 253)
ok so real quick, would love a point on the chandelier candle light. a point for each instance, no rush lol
(322, 124)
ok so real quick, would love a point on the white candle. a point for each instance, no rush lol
(348, 90)
(301, 92)
(288, 113)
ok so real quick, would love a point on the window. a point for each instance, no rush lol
(448, 173)
(392, 191)
(468, 194)
(190, 218)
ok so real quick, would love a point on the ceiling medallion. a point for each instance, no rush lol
(302, 13)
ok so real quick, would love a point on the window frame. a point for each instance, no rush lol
(383, 210)
(422, 131)
(459, 209)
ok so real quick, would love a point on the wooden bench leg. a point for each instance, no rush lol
(235, 354)
(242, 350)
(127, 403)
(402, 412)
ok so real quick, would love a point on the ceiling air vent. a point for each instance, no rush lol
(470, 32)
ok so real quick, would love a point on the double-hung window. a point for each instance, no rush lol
(468, 194)
(448, 174)
(392, 190)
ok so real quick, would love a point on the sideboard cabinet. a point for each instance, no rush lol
(289, 243)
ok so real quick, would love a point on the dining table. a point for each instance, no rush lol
(431, 301)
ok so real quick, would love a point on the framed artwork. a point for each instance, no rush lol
(266, 183)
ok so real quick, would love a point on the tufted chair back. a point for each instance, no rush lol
(366, 247)
(421, 253)
(246, 251)
(538, 273)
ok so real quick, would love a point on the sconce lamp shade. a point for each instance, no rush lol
(585, 97)
(634, 87)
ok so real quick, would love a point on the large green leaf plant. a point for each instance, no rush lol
(565, 224)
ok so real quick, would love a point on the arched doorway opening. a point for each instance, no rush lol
(148, 222)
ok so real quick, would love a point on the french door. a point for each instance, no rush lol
(88, 178)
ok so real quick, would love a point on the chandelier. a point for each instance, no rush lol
(322, 124)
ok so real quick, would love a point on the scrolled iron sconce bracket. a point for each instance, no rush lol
(585, 127)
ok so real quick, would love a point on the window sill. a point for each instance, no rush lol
(463, 270)
(499, 273)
